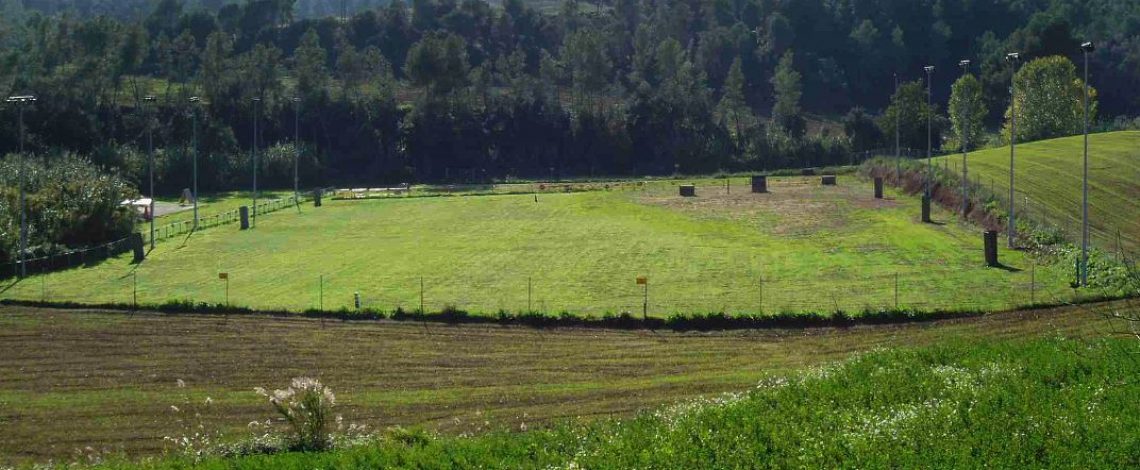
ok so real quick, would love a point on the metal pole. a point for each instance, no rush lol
(898, 172)
(256, 105)
(20, 100)
(1012, 57)
(929, 139)
(1086, 48)
(896, 291)
(194, 112)
(965, 138)
(150, 162)
(422, 295)
(296, 149)
(529, 286)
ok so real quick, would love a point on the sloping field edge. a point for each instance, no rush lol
(714, 321)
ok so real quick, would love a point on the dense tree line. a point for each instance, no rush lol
(462, 90)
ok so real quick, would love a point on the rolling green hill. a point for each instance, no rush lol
(1048, 183)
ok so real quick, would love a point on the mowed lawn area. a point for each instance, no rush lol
(1049, 173)
(107, 380)
(802, 247)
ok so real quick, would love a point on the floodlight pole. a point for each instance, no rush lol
(965, 142)
(256, 105)
(929, 140)
(150, 160)
(296, 149)
(194, 100)
(1012, 57)
(897, 147)
(20, 101)
(1086, 48)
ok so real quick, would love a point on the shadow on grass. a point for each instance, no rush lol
(1007, 268)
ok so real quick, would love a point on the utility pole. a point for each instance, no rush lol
(1086, 48)
(194, 100)
(149, 99)
(1012, 57)
(965, 64)
(20, 101)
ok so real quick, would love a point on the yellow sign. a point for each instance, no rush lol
(642, 280)
(223, 275)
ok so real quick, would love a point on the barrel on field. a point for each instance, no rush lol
(926, 208)
(828, 180)
(991, 248)
(688, 190)
(759, 184)
(244, 211)
(878, 187)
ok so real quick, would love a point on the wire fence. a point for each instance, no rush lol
(94, 254)
(297, 290)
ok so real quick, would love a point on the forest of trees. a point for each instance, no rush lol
(464, 90)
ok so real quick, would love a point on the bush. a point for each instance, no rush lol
(306, 406)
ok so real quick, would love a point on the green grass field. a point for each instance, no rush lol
(70, 380)
(1049, 174)
(1049, 389)
(802, 247)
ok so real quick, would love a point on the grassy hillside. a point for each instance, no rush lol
(73, 379)
(802, 247)
(1040, 403)
(1049, 174)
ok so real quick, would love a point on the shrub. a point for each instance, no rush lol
(306, 406)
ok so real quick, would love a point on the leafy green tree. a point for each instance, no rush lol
(910, 110)
(309, 66)
(732, 110)
(860, 129)
(967, 111)
(438, 63)
(787, 90)
(1050, 100)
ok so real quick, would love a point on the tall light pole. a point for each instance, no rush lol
(1086, 48)
(965, 138)
(149, 99)
(296, 149)
(20, 101)
(256, 106)
(194, 100)
(929, 142)
(898, 150)
(1013, 58)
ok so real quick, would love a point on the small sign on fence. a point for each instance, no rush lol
(223, 276)
(642, 280)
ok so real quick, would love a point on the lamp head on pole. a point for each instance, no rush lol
(964, 63)
(195, 99)
(1088, 47)
(928, 69)
(1013, 56)
(296, 100)
(20, 99)
(148, 98)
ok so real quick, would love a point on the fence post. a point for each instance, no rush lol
(1033, 283)
(422, 312)
(529, 287)
(761, 294)
(896, 291)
